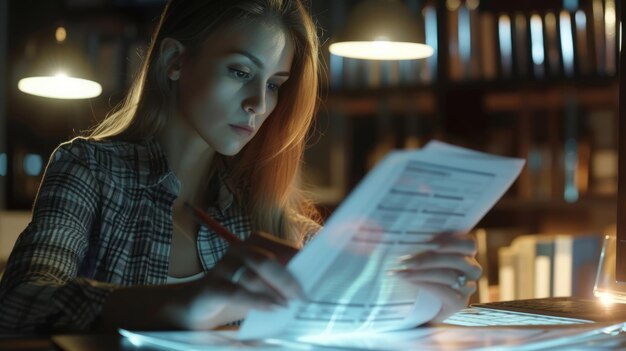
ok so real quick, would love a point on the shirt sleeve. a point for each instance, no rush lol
(41, 291)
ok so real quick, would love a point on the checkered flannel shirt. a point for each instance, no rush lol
(102, 219)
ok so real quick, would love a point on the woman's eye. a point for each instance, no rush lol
(273, 87)
(239, 74)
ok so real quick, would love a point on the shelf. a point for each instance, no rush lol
(585, 203)
(367, 105)
(553, 98)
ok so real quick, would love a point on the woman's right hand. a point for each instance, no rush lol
(249, 276)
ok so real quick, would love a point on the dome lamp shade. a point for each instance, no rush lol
(59, 70)
(380, 30)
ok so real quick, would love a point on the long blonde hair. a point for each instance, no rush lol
(266, 171)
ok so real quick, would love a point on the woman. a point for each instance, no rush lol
(216, 118)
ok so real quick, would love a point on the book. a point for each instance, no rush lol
(523, 248)
(544, 266)
(488, 45)
(576, 260)
(506, 273)
(585, 258)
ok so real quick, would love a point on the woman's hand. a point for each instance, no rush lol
(249, 276)
(449, 271)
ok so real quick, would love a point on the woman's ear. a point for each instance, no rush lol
(171, 52)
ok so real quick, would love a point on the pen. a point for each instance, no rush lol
(282, 248)
(205, 219)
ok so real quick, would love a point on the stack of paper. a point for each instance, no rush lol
(407, 199)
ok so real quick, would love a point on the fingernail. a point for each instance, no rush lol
(397, 271)
(399, 268)
(404, 258)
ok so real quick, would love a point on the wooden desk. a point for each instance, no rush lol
(98, 342)
(71, 342)
(75, 342)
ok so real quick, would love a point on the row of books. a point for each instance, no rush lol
(577, 41)
(542, 265)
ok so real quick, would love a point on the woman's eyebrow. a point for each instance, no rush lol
(257, 61)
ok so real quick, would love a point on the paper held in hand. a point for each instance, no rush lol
(405, 200)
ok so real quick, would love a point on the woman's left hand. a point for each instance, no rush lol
(449, 271)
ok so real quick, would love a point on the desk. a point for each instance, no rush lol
(74, 342)
(71, 342)
(98, 342)
(566, 339)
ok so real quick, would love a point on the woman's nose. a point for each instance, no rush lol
(255, 102)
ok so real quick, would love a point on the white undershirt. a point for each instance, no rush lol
(175, 280)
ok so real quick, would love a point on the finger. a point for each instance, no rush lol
(462, 244)
(238, 267)
(452, 300)
(437, 276)
(430, 260)
(252, 282)
(273, 274)
(229, 293)
(447, 278)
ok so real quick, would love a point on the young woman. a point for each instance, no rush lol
(216, 118)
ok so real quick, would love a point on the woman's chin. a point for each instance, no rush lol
(231, 149)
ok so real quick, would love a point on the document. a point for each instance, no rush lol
(578, 337)
(406, 200)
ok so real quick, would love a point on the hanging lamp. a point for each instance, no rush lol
(380, 30)
(59, 70)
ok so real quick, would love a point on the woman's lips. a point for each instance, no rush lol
(242, 130)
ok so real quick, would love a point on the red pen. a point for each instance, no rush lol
(205, 219)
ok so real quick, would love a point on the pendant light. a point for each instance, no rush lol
(59, 70)
(380, 30)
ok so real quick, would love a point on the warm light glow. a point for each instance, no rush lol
(605, 298)
(567, 42)
(60, 87)
(453, 5)
(506, 42)
(381, 50)
(472, 4)
(536, 38)
(60, 34)
(609, 16)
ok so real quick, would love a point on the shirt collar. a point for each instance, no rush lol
(153, 170)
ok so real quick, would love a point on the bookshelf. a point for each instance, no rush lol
(530, 79)
(485, 91)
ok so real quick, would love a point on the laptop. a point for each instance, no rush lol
(541, 311)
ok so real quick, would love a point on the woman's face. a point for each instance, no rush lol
(229, 87)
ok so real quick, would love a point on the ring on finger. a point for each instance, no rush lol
(236, 277)
(461, 281)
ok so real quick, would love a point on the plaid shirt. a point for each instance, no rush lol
(102, 219)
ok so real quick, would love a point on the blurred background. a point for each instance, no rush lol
(531, 79)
